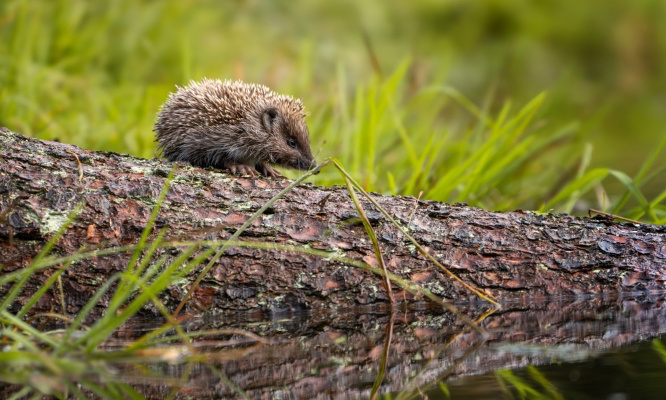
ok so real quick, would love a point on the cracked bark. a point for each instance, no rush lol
(511, 255)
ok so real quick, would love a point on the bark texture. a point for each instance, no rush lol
(507, 254)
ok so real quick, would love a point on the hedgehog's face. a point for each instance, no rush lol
(288, 137)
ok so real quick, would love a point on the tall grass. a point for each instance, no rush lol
(402, 144)
(66, 361)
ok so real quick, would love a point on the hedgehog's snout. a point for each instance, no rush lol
(313, 165)
(305, 164)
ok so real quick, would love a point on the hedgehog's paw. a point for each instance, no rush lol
(240, 169)
(265, 169)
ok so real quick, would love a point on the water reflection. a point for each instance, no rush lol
(591, 348)
(627, 372)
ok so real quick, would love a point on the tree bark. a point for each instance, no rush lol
(509, 255)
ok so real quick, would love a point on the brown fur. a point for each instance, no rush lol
(234, 125)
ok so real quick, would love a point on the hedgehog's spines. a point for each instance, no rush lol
(221, 123)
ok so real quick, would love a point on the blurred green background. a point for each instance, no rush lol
(440, 97)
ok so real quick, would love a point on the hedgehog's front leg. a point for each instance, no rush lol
(238, 168)
(265, 169)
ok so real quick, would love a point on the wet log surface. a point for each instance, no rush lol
(511, 255)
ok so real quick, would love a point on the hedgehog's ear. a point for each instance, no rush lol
(268, 118)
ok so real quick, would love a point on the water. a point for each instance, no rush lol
(635, 371)
(568, 349)
(610, 348)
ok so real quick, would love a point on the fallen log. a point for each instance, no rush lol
(509, 255)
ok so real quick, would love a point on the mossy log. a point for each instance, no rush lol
(508, 255)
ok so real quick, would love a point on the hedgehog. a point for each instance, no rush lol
(242, 127)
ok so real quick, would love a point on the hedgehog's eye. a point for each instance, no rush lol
(291, 143)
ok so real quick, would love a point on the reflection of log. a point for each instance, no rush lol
(337, 356)
(428, 348)
(334, 355)
(511, 255)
